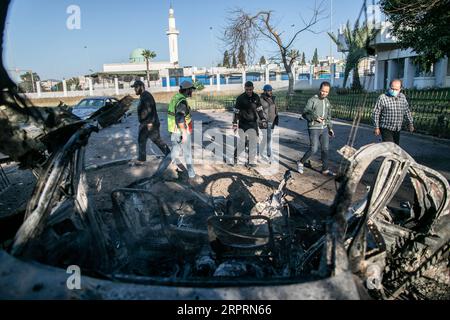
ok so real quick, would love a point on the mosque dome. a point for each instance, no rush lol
(136, 56)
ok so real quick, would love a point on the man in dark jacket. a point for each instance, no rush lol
(148, 122)
(271, 114)
(246, 111)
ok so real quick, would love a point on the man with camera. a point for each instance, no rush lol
(318, 114)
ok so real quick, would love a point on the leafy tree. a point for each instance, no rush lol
(226, 59)
(241, 56)
(28, 83)
(74, 82)
(58, 87)
(262, 61)
(303, 61)
(234, 63)
(148, 55)
(198, 85)
(422, 25)
(293, 55)
(357, 45)
(315, 60)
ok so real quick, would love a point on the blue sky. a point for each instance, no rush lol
(37, 37)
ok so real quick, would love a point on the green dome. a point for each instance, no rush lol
(136, 55)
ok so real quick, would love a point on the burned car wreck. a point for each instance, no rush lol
(161, 238)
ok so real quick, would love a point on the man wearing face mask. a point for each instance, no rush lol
(390, 111)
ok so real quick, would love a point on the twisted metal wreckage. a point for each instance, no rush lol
(193, 246)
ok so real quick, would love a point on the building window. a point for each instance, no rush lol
(421, 71)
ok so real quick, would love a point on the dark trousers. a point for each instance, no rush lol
(248, 139)
(154, 135)
(390, 136)
(317, 136)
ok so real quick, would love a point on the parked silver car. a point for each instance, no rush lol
(86, 107)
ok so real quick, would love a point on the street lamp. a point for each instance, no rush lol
(331, 30)
(88, 57)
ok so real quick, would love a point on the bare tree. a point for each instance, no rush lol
(245, 30)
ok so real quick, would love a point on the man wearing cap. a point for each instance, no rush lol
(246, 112)
(179, 124)
(148, 122)
(271, 114)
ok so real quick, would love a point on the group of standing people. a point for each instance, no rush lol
(388, 115)
(250, 108)
(253, 113)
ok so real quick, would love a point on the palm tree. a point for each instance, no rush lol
(356, 44)
(147, 54)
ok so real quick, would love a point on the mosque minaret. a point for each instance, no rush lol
(172, 34)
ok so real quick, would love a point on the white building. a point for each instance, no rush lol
(137, 66)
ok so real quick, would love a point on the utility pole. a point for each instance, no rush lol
(88, 58)
(212, 46)
(331, 30)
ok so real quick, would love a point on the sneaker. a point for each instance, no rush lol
(307, 164)
(264, 160)
(191, 173)
(328, 173)
(300, 167)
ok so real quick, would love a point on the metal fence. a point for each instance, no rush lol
(430, 108)
(199, 102)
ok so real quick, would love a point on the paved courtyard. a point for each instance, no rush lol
(119, 142)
